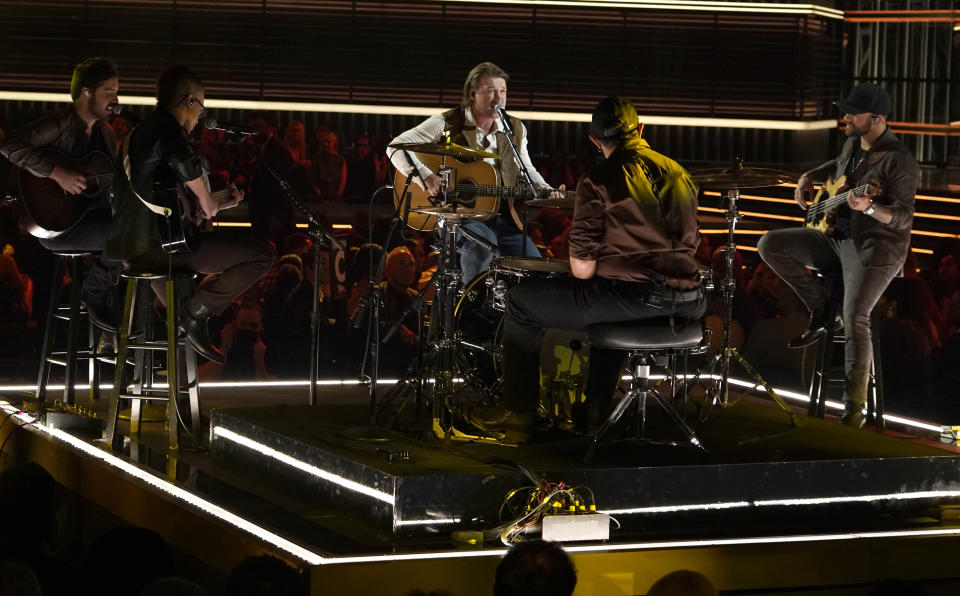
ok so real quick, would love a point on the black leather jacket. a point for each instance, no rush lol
(158, 151)
(63, 130)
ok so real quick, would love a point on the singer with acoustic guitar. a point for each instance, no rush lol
(477, 123)
(162, 191)
(63, 169)
(863, 232)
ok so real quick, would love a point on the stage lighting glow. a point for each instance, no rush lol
(168, 488)
(348, 108)
(225, 433)
(429, 522)
(677, 508)
(749, 7)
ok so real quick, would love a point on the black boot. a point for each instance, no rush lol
(193, 324)
(816, 327)
(100, 295)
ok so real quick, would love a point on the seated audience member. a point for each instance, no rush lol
(266, 575)
(18, 580)
(212, 149)
(558, 171)
(763, 288)
(415, 245)
(535, 568)
(683, 583)
(32, 536)
(396, 296)
(366, 170)
(121, 128)
(329, 168)
(363, 260)
(295, 140)
(137, 557)
(241, 343)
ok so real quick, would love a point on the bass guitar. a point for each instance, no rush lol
(45, 210)
(475, 184)
(822, 213)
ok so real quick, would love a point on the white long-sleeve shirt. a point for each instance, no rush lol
(431, 131)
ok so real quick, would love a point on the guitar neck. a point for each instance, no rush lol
(837, 200)
(507, 192)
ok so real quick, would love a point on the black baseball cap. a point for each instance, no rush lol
(613, 117)
(867, 98)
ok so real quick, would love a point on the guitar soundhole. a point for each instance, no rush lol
(467, 193)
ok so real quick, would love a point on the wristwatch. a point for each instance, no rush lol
(871, 209)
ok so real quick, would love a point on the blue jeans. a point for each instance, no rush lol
(503, 234)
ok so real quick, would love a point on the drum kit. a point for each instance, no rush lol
(463, 341)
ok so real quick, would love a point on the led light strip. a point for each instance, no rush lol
(316, 559)
(429, 522)
(169, 488)
(750, 7)
(349, 108)
(225, 433)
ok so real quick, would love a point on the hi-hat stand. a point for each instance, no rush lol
(732, 180)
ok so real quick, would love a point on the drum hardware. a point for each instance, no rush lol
(732, 180)
(446, 148)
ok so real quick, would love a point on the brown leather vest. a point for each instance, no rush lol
(456, 124)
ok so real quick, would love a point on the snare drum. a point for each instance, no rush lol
(507, 272)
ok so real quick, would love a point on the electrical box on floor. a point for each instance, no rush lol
(570, 528)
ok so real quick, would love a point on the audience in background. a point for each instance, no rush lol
(682, 583)
(535, 568)
(266, 575)
(329, 167)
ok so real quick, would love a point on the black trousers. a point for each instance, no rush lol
(574, 304)
(90, 235)
(236, 261)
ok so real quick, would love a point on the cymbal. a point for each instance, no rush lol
(737, 176)
(564, 203)
(454, 212)
(448, 149)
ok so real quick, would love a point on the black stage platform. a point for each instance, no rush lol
(282, 477)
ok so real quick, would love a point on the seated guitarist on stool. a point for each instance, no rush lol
(159, 151)
(78, 130)
(632, 249)
(475, 123)
(869, 240)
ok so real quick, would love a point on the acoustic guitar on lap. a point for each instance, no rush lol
(822, 213)
(45, 210)
(183, 220)
(475, 184)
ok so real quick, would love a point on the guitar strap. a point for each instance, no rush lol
(125, 160)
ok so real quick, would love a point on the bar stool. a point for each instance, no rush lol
(136, 335)
(70, 357)
(650, 342)
(826, 374)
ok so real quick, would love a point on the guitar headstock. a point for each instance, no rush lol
(873, 187)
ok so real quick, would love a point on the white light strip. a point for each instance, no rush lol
(757, 7)
(349, 108)
(929, 494)
(801, 397)
(225, 433)
(677, 508)
(429, 522)
(171, 489)
(675, 544)
(316, 559)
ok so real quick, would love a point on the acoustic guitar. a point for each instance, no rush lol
(182, 220)
(822, 213)
(45, 210)
(474, 184)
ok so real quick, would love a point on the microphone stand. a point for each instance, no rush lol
(320, 234)
(524, 173)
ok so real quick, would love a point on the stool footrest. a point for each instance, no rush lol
(158, 346)
(141, 397)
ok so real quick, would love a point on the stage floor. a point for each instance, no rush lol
(339, 507)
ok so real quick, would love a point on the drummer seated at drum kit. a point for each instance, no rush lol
(632, 251)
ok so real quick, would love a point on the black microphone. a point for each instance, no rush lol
(211, 123)
(507, 125)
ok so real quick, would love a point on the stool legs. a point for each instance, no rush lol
(49, 330)
(126, 323)
(173, 387)
(640, 390)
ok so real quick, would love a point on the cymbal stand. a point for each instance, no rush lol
(728, 352)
